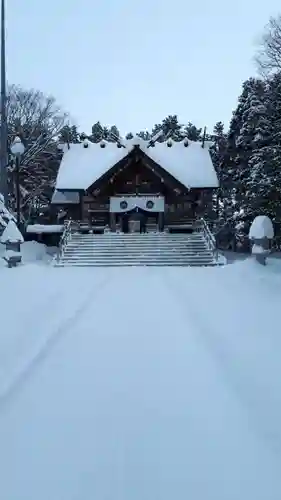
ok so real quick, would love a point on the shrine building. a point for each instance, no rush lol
(173, 183)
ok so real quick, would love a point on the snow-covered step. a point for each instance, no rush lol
(78, 263)
(118, 249)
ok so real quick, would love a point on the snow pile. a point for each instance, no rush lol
(261, 227)
(192, 166)
(11, 234)
(31, 252)
(181, 401)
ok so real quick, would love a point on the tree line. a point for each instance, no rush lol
(246, 155)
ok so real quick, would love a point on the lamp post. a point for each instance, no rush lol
(4, 129)
(17, 150)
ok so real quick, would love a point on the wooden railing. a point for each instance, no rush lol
(66, 236)
(203, 226)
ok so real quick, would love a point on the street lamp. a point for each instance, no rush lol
(17, 150)
(3, 104)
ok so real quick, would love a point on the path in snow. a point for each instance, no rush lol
(133, 399)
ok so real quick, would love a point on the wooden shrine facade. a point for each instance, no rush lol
(137, 175)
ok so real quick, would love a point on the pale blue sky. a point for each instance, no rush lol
(134, 62)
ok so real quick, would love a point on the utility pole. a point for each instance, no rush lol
(3, 129)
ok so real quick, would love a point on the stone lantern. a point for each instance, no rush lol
(261, 235)
(12, 239)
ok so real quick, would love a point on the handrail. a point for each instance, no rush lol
(210, 238)
(66, 235)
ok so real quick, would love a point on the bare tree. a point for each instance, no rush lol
(268, 58)
(37, 120)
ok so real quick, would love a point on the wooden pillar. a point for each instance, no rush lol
(112, 221)
(161, 221)
(81, 205)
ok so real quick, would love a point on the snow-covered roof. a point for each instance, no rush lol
(81, 167)
(42, 228)
(261, 227)
(67, 197)
(11, 234)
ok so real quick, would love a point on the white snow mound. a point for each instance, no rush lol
(261, 227)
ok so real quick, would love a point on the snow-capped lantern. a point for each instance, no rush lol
(85, 143)
(185, 142)
(12, 239)
(261, 235)
(169, 143)
(102, 143)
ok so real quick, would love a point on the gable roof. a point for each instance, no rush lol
(81, 167)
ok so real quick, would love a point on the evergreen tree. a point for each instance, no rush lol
(97, 132)
(157, 127)
(113, 134)
(254, 136)
(264, 182)
(172, 128)
(69, 134)
(192, 132)
(144, 134)
(129, 136)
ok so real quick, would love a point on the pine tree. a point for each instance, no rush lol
(97, 132)
(248, 129)
(157, 127)
(144, 134)
(129, 136)
(113, 134)
(219, 156)
(172, 128)
(192, 132)
(264, 182)
(69, 134)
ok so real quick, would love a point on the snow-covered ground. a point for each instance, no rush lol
(144, 384)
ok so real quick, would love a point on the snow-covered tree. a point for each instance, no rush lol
(99, 132)
(144, 134)
(113, 134)
(192, 132)
(269, 55)
(69, 134)
(38, 121)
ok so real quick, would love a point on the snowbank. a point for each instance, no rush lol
(32, 252)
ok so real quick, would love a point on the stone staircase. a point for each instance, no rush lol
(134, 249)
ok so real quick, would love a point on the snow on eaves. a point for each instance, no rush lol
(80, 167)
(11, 234)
